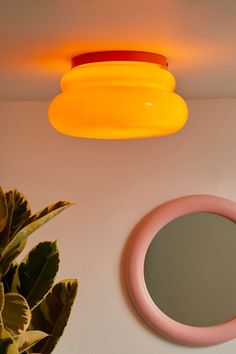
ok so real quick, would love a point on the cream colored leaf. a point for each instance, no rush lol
(3, 210)
(1, 299)
(28, 339)
(16, 314)
(7, 343)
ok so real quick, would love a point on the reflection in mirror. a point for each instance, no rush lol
(190, 269)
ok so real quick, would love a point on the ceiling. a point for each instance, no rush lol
(38, 38)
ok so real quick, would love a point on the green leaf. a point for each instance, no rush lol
(52, 314)
(15, 247)
(58, 206)
(16, 314)
(3, 210)
(7, 279)
(18, 212)
(7, 343)
(28, 339)
(35, 275)
(4, 235)
(21, 210)
(10, 257)
(2, 297)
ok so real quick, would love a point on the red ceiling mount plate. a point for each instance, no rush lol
(119, 55)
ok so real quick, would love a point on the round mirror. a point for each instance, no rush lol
(190, 269)
(181, 269)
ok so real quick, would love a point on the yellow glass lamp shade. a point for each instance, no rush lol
(118, 95)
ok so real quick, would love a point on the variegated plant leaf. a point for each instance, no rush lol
(2, 297)
(14, 248)
(58, 206)
(29, 338)
(35, 275)
(3, 210)
(6, 262)
(52, 314)
(7, 279)
(21, 211)
(4, 235)
(7, 343)
(16, 314)
(18, 212)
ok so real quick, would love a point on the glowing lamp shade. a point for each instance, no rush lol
(118, 95)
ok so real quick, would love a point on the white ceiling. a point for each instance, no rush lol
(38, 38)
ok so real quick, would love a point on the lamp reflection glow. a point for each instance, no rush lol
(118, 95)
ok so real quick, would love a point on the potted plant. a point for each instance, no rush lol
(33, 311)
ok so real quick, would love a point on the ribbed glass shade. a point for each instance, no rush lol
(118, 100)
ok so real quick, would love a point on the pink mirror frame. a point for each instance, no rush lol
(141, 238)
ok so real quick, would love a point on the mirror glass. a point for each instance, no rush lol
(190, 269)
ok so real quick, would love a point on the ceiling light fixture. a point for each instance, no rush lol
(118, 95)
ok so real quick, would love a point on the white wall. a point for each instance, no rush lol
(114, 183)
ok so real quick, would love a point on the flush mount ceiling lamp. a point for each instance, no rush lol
(118, 95)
